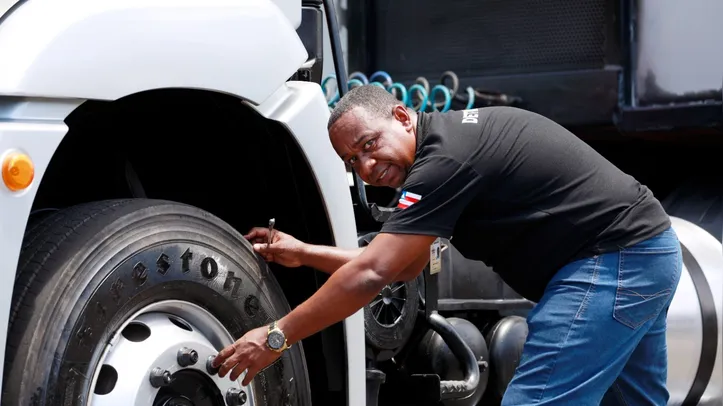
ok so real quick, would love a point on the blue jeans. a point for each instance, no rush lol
(597, 336)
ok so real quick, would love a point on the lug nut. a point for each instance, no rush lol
(160, 377)
(235, 397)
(186, 357)
(209, 365)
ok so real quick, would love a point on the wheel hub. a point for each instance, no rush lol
(387, 295)
(158, 358)
(387, 307)
(189, 388)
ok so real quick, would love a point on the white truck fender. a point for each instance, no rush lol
(89, 49)
(5, 5)
(36, 127)
(301, 107)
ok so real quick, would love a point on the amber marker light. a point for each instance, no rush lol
(18, 171)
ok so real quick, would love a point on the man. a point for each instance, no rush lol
(558, 222)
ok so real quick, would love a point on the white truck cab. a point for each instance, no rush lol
(207, 84)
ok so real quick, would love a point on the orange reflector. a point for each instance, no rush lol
(18, 171)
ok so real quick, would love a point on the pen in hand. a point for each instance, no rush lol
(272, 222)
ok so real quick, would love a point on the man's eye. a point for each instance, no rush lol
(368, 144)
(352, 160)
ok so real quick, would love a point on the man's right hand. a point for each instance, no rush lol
(285, 250)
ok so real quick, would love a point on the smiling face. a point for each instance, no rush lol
(380, 149)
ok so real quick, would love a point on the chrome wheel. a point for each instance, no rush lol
(161, 357)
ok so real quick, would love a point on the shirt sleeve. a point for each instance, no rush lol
(434, 196)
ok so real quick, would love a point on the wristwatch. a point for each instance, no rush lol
(275, 339)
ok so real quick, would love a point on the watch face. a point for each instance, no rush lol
(276, 340)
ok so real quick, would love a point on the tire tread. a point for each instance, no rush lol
(35, 265)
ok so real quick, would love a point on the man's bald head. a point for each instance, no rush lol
(375, 134)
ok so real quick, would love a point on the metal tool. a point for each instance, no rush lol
(272, 222)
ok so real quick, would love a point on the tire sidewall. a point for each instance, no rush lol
(95, 289)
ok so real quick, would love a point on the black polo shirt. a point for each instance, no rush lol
(521, 193)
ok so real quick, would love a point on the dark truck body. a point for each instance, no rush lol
(641, 81)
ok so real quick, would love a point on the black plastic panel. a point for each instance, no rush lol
(560, 57)
(311, 33)
(584, 97)
(671, 116)
(481, 37)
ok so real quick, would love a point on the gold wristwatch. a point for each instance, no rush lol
(275, 339)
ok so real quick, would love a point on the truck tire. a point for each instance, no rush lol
(390, 317)
(112, 297)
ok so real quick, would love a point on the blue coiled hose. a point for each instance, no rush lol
(360, 76)
(420, 92)
(418, 96)
(351, 83)
(447, 97)
(354, 83)
(334, 98)
(470, 98)
(384, 75)
(402, 90)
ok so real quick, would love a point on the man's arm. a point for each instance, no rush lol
(415, 269)
(290, 252)
(330, 259)
(356, 283)
(287, 251)
(327, 259)
(348, 290)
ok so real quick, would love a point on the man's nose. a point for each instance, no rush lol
(367, 165)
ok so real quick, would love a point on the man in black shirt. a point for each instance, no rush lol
(557, 221)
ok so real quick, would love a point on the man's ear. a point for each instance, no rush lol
(401, 114)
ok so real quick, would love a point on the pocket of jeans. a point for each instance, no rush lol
(646, 279)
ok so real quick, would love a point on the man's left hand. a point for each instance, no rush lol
(248, 352)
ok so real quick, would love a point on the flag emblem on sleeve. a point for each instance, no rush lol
(408, 199)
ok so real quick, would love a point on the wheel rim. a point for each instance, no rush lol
(388, 307)
(150, 361)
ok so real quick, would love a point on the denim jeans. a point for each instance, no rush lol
(597, 336)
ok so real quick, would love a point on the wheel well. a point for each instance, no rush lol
(211, 151)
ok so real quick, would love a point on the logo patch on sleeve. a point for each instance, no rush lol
(408, 199)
